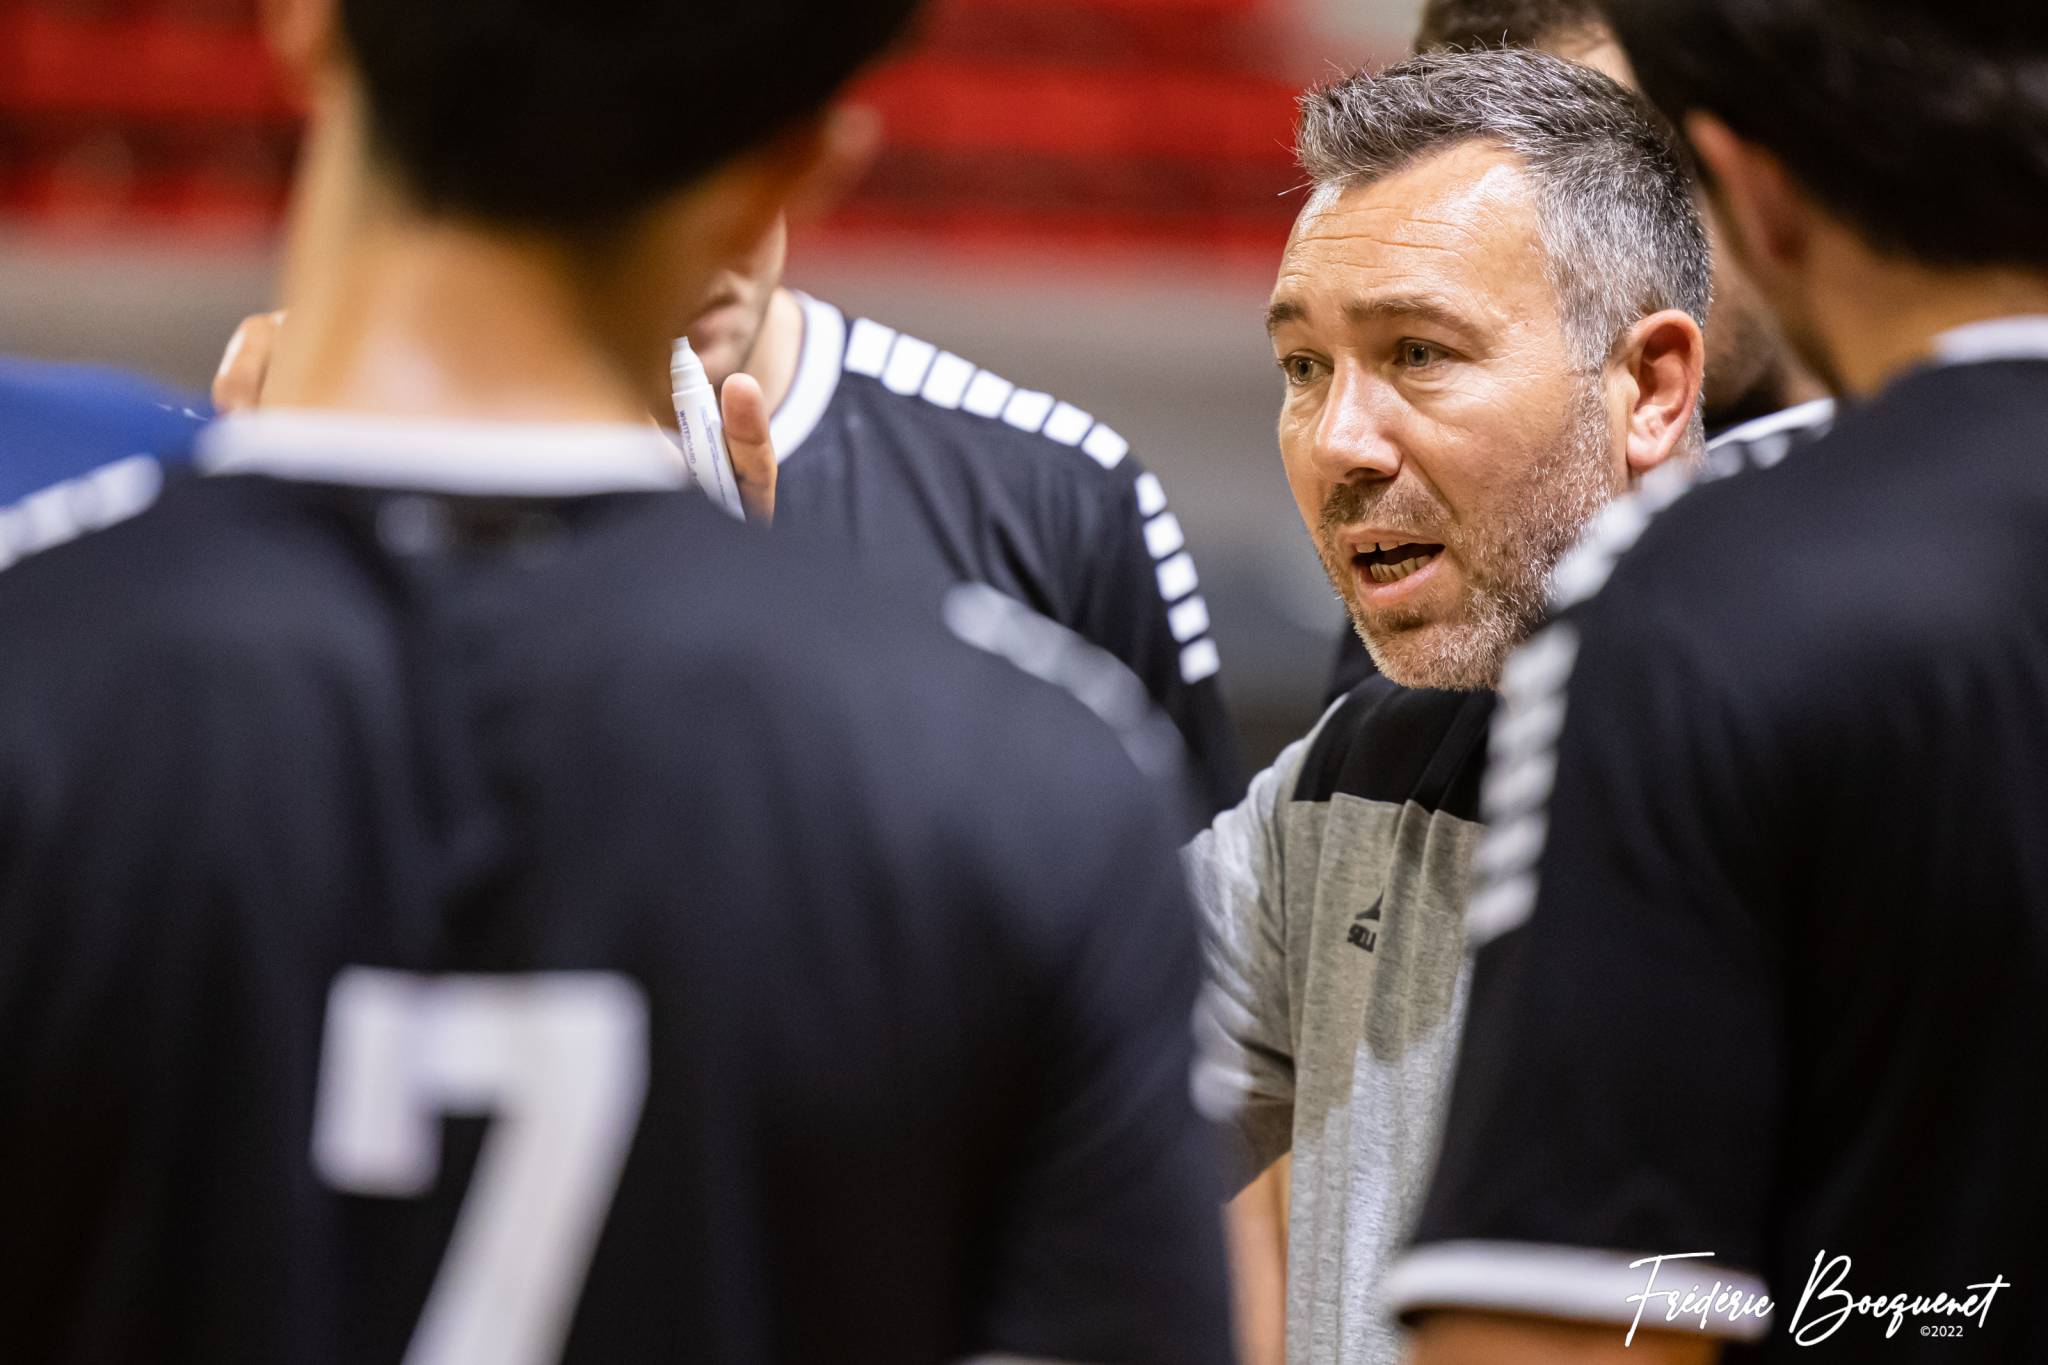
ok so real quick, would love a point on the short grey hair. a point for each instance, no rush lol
(1619, 224)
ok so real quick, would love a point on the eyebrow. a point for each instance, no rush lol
(1280, 312)
(1428, 307)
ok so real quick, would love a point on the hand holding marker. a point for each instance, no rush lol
(701, 431)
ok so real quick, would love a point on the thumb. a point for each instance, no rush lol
(238, 383)
(745, 414)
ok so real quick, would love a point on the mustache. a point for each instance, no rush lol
(1399, 504)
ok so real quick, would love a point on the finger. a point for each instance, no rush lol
(747, 440)
(238, 383)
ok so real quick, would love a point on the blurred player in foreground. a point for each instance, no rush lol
(463, 899)
(930, 472)
(1487, 325)
(1763, 937)
(1759, 399)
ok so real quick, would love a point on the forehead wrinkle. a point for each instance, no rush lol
(1384, 225)
(1468, 235)
(1464, 190)
(1356, 293)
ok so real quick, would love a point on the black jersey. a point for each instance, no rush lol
(459, 903)
(932, 472)
(1764, 907)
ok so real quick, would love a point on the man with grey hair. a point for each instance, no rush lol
(1488, 324)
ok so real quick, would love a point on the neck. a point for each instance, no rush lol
(778, 348)
(397, 314)
(1791, 384)
(1879, 315)
(1786, 385)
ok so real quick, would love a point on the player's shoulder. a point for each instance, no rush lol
(125, 518)
(980, 705)
(1841, 550)
(991, 754)
(138, 560)
(1676, 504)
(1808, 485)
(61, 423)
(1073, 677)
(1387, 742)
(1764, 441)
(656, 596)
(942, 405)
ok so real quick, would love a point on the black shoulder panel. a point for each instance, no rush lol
(1386, 742)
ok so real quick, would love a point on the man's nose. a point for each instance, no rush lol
(1354, 438)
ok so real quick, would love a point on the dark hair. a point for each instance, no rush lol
(572, 114)
(1504, 23)
(1922, 123)
(1620, 228)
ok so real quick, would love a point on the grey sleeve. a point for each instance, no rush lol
(1238, 876)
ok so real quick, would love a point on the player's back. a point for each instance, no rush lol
(531, 919)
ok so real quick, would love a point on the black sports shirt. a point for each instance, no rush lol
(931, 472)
(460, 901)
(1764, 909)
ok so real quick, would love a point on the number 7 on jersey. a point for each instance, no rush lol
(559, 1060)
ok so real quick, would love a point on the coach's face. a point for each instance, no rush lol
(1442, 447)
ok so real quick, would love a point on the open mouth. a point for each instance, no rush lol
(1392, 563)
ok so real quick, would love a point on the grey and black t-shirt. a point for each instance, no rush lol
(1335, 895)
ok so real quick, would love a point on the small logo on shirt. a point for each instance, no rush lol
(1360, 935)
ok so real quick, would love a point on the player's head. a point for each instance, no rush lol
(1487, 319)
(1552, 25)
(619, 133)
(1746, 354)
(1887, 132)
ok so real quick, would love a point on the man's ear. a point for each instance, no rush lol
(1768, 215)
(1664, 359)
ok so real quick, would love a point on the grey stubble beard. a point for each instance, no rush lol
(1508, 565)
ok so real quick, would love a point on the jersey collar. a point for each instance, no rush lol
(817, 376)
(515, 459)
(2013, 338)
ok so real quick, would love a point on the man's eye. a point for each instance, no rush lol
(1299, 369)
(1418, 355)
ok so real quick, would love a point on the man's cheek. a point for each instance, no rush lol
(1303, 483)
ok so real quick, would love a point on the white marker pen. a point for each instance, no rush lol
(702, 430)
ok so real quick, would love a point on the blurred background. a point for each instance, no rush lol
(1086, 196)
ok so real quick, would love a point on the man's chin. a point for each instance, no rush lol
(1433, 656)
(722, 356)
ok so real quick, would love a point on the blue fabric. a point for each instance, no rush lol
(60, 421)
